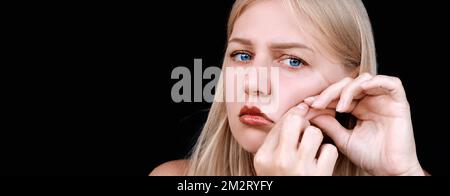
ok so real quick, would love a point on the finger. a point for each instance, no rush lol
(292, 126)
(385, 85)
(313, 113)
(377, 91)
(333, 92)
(333, 105)
(330, 109)
(310, 100)
(271, 141)
(328, 155)
(352, 91)
(332, 128)
(310, 143)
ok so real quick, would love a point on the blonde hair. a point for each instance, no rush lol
(345, 26)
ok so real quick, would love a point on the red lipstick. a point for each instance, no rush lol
(253, 116)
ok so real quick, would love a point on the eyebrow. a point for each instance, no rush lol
(279, 46)
(241, 41)
(287, 45)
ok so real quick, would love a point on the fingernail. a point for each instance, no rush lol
(302, 106)
(310, 100)
(340, 106)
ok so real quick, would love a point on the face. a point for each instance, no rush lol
(267, 37)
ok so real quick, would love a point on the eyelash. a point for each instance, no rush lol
(285, 57)
(292, 57)
(240, 52)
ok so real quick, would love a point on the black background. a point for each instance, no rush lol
(89, 87)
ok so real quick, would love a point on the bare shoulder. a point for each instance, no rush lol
(171, 168)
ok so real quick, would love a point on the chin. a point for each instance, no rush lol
(250, 138)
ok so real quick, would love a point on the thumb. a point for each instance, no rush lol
(334, 130)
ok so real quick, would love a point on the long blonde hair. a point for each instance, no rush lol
(345, 26)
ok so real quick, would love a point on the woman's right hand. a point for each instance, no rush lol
(294, 148)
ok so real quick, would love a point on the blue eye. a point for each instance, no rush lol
(242, 57)
(295, 63)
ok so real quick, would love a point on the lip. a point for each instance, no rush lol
(253, 116)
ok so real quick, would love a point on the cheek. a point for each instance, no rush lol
(232, 108)
(293, 90)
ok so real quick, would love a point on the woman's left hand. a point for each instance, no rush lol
(382, 143)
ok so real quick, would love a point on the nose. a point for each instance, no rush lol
(257, 81)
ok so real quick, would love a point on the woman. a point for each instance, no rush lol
(325, 56)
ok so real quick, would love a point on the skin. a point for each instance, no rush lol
(382, 143)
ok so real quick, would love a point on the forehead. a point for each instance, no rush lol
(271, 21)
